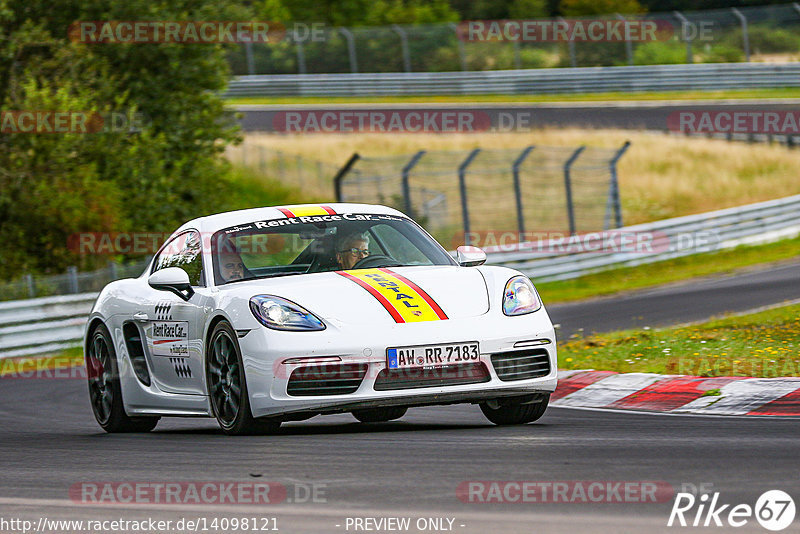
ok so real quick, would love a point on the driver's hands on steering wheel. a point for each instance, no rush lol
(376, 260)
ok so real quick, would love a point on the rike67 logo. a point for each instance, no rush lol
(774, 510)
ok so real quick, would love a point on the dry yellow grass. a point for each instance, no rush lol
(661, 176)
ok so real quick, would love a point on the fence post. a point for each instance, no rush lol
(337, 180)
(112, 271)
(72, 278)
(404, 46)
(613, 189)
(251, 63)
(517, 58)
(628, 43)
(518, 188)
(351, 48)
(31, 286)
(462, 186)
(568, 187)
(745, 36)
(462, 54)
(301, 56)
(406, 186)
(684, 30)
(573, 60)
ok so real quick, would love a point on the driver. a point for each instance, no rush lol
(231, 266)
(351, 248)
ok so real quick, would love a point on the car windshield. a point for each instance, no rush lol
(300, 245)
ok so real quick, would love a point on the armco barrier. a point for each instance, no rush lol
(44, 325)
(700, 77)
(727, 228)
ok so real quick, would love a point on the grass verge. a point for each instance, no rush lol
(787, 92)
(664, 272)
(764, 344)
(42, 367)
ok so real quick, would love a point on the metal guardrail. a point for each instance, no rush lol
(46, 325)
(43, 325)
(638, 79)
(670, 238)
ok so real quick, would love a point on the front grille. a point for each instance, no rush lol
(521, 364)
(417, 377)
(328, 379)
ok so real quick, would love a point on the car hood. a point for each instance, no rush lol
(459, 292)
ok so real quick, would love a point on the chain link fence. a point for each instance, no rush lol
(457, 195)
(764, 33)
(70, 282)
(312, 177)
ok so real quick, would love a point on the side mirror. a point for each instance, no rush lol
(172, 279)
(468, 256)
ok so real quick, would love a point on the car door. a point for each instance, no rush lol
(173, 327)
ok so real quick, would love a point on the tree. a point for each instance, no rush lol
(577, 8)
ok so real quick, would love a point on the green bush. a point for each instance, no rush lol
(660, 53)
(764, 39)
(723, 54)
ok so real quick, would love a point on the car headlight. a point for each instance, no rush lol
(520, 297)
(281, 314)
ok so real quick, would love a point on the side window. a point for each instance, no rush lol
(399, 246)
(184, 251)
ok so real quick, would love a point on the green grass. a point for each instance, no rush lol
(27, 366)
(674, 270)
(764, 344)
(787, 92)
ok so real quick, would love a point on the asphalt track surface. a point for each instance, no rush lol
(411, 468)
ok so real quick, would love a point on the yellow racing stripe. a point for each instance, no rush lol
(405, 301)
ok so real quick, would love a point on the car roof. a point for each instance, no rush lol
(212, 223)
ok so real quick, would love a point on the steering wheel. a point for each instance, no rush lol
(375, 260)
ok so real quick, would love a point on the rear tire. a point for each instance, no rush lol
(105, 390)
(513, 412)
(380, 415)
(227, 387)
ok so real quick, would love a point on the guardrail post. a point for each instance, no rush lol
(31, 286)
(406, 186)
(351, 48)
(337, 180)
(404, 46)
(685, 24)
(628, 43)
(613, 190)
(72, 278)
(573, 59)
(248, 53)
(462, 186)
(462, 54)
(518, 188)
(568, 187)
(301, 56)
(745, 36)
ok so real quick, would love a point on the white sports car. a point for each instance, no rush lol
(261, 316)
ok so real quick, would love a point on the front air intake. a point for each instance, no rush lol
(327, 379)
(521, 364)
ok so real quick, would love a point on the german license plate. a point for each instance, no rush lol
(432, 355)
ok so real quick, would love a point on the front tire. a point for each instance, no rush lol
(513, 412)
(380, 415)
(227, 387)
(105, 390)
